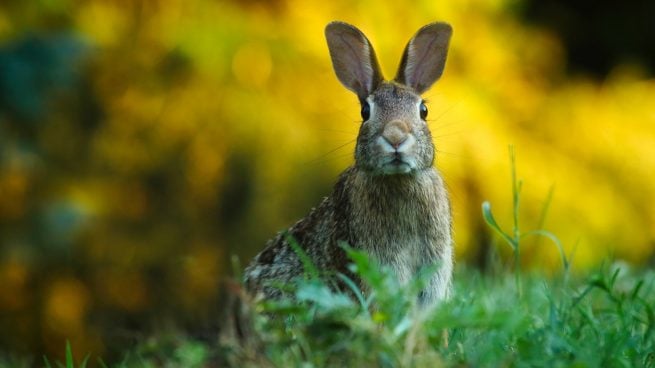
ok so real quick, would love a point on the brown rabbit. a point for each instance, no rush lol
(392, 204)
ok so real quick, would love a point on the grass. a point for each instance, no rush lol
(603, 320)
(510, 319)
(514, 238)
(69, 362)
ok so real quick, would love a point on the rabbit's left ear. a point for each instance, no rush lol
(425, 57)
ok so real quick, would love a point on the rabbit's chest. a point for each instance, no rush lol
(404, 223)
(402, 246)
(404, 239)
(405, 256)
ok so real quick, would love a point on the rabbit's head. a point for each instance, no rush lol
(394, 137)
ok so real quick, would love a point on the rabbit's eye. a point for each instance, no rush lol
(366, 111)
(423, 110)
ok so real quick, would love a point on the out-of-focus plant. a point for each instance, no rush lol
(516, 236)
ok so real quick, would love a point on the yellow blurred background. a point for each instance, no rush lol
(142, 143)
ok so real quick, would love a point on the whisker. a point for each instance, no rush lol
(447, 135)
(450, 124)
(329, 159)
(443, 126)
(444, 112)
(323, 156)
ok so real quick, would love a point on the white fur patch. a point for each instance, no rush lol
(371, 106)
(407, 145)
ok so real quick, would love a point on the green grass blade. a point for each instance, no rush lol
(555, 240)
(84, 361)
(355, 289)
(69, 355)
(650, 315)
(46, 362)
(102, 363)
(491, 221)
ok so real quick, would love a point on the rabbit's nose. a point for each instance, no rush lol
(395, 133)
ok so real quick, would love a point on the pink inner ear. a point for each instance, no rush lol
(425, 57)
(421, 64)
(411, 69)
(353, 58)
(356, 57)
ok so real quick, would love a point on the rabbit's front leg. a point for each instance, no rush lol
(438, 288)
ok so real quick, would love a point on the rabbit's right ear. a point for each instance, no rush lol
(353, 58)
(425, 57)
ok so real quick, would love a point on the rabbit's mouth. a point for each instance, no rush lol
(397, 165)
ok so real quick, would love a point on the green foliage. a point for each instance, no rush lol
(605, 319)
(166, 351)
(321, 327)
(69, 362)
(513, 238)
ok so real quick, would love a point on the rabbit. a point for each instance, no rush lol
(392, 203)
